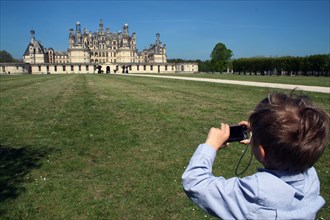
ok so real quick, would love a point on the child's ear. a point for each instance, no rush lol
(261, 153)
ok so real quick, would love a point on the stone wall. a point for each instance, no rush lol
(13, 68)
(83, 68)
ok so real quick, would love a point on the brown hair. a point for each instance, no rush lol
(292, 131)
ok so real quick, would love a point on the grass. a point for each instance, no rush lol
(105, 146)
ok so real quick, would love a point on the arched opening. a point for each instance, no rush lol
(108, 69)
(99, 69)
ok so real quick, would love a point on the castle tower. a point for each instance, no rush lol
(78, 34)
(101, 29)
(157, 44)
(157, 39)
(78, 53)
(35, 52)
(78, 27)
(71, 38)
(133, 41)
(125, 30)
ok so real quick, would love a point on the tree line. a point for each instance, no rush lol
(314, 65)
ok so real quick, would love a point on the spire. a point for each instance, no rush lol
(78, 29)
(32, 32)
(125, 29)
(101, 29)
(157, 39)
(77, 40)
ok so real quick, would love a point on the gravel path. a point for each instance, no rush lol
(244, 83)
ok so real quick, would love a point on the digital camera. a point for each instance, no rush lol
(238, 133)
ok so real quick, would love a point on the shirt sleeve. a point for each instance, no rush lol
(225, 198)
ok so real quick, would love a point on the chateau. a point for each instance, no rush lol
(97, 52)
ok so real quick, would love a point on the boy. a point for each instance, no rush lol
(289, 135)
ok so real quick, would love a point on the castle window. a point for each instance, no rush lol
(144, 67)
(151, 67)
(55, 68)
(166, 67)
(86, 67)
(39, 67)
(138, 67)
(79, 67)
(71, 67)
(63, 68)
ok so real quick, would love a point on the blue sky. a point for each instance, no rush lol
(190, 29)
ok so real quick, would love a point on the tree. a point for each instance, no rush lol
(318, 65)
(220, 56)
(6, 57)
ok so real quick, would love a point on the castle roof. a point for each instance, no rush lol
(38, 48)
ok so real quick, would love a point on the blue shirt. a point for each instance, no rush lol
(267, 194)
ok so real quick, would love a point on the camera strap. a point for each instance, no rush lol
(240, 160)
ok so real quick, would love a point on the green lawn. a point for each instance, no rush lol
(114, 147)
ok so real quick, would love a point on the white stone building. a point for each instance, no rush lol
(99, 52)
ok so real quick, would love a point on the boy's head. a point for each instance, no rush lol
(292, 132)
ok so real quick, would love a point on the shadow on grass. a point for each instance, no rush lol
(15, 164)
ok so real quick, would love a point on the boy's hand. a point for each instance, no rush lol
(247, 124)
(217, 137)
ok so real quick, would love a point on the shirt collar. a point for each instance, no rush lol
(285, 175)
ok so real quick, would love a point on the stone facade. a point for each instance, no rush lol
(14, 68)
(98, 52)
